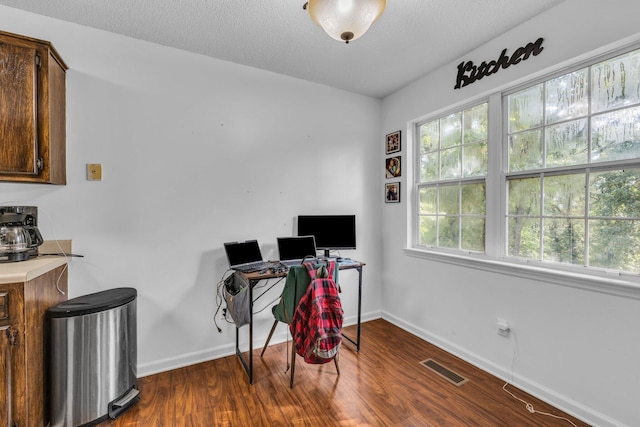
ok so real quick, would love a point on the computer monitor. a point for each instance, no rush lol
(332, 232)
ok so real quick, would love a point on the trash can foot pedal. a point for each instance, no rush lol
(118, 406)
(124, 400)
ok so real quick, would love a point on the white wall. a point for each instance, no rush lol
(578, 349)
(196, 152)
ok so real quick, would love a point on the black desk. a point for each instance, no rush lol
(255, 278)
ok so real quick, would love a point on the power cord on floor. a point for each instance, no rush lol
(528, 405)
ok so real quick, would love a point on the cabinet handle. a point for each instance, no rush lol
(12, 336)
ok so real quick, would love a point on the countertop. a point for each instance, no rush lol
(23, 271)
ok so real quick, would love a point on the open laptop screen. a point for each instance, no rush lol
(296, 248)
(240, 253)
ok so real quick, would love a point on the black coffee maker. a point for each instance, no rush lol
(19, 234)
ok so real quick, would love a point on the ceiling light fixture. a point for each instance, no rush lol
(345, 20)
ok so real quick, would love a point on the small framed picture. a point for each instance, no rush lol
(392, 192)
(392, 167)
(393, 142)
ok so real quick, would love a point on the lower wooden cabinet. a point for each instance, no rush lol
(23, 347)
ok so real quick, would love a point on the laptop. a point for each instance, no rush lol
(246, 256)
(293, 250)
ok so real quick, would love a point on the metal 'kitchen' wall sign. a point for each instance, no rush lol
(469, 73)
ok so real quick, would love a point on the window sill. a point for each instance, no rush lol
(597, 283)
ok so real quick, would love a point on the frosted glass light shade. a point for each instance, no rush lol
(345, 20)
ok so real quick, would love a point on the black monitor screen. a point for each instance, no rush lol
(330, 231)
(243, 252)
(295, 248)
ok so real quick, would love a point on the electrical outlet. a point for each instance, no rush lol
(503, 328)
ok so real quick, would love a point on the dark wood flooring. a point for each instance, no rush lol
(382, 385)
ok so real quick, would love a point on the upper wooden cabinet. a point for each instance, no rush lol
(32, 111)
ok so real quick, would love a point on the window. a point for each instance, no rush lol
(568, 185)
(453, 167)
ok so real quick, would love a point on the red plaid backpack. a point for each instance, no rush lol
(316, 326)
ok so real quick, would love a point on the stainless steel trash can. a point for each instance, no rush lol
(92, 358)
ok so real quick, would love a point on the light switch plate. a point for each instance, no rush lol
(94, 172)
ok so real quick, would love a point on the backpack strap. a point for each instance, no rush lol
(330, 268)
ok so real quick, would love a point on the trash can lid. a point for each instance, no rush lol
(93, 303)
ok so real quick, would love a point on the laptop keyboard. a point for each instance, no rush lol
(265, 265)
(291, 262)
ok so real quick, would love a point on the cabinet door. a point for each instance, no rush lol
(13, 388)
(18, 110)
(7, 376)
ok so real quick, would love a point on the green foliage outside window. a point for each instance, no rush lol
(573, 167)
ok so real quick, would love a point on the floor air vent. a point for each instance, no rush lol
(444, 372)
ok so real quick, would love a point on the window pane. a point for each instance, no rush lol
(616, 135)
(429, 136)
(428, 200)
(451, 165)
(615, 194)
(448, 200)
(475, 159)
(473, 199)
(525, 151)
(567, 144)
(473, 231)
(429, 167)
(615, 244)
(564, 241)
(427, 231)
(615, 82)
(450, 131)
(476, 124)
(524, 196)
(524, 237)
(525, 109)
(448, 232)
(564, 195)
(567, 96)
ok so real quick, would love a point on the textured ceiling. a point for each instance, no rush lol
(411, 38)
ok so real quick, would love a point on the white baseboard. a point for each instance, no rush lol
(541, 392)
(182, 360)
(188, 359)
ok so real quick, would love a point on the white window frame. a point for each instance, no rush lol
(494, 259)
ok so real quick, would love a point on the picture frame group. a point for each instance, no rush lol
(393, 166)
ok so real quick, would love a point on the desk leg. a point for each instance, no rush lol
(359, 305)
(248, 367)
(251, 332)
(357, 340)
